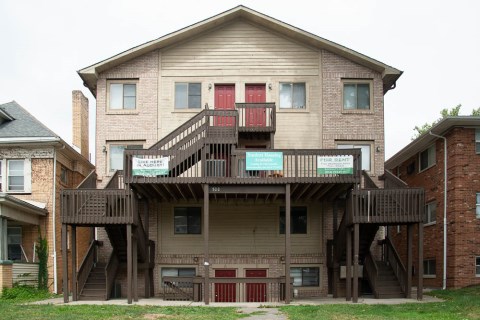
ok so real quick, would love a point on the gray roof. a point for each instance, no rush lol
(23, 124)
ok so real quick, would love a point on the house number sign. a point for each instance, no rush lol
(150, 167)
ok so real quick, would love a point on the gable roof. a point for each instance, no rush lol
(426, 139)
(389, 74)
(21, 123)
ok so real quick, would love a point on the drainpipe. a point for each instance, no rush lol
(444, 286)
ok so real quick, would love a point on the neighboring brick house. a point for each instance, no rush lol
(421, 164)
(224, 134)
(35, 165)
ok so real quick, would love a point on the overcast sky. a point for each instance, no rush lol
(435, 43)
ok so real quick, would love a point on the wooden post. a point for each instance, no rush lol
(206, 262)
(408, 285)
(356, 239)
(146, 272)
(65, 263)
(135, 266)
(288, 288)
(74, 264)
(420, 262)
(129, 263)
(348, 275)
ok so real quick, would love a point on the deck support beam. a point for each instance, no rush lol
(129, 263)
(356, 241)
(135, 266)
(74, 264)
(206, 262)
(65, 263)
(420, 262)
(288, 288)
(348, 275)
(408, 285)
(146, 224)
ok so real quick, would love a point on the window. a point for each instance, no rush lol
(429, 267)
(298, 220)
(123, 96)
(292, 95)
(477, 266)
(188, 95)
(178, 272)
(478, 206)
(427, 158)
(431, 213)
(16, 178)
(14, 241)
(477, 141)
(305, 276)
(187, 220)
(64, 175)
(356, 95)
(366, 152)
(116, 154)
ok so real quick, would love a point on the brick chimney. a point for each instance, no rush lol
(80, 122)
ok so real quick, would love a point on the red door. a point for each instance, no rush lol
(256, 292)
(225, 292)
(255, 117)
(224, 100)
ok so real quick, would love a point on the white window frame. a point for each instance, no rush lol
(292, 107)
(123, 83)
(477, 141)
(430, 151)
(27, 176)
(358, 145)
(428, 213)
(126, 145)
(477, 205)
(187, 107)
(426, 269)
(357, 82)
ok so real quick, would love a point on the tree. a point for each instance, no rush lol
(453, 112)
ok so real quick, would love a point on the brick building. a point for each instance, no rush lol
(422, 164)
(35, 165)
(229, 156)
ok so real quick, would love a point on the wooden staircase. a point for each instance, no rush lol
(94, 288)
(387, 286)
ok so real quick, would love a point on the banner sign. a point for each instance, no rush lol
(264, 161)
(150, 167)
(335, 164)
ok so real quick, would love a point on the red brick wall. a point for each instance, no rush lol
(463, 228)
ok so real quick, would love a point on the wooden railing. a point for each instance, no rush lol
(86, 266)
(393, 258)
(90, 181)
(116, 181)
(98, 206)
(368, 183)
(386, 206)
(110, 273)
(256, 117)
(178, 288)
(392, 181)
(372, 271)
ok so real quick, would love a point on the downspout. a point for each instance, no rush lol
(444, 285)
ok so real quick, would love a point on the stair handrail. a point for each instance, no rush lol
(116, 181)
(90, 181)
(86, 266)
(172, 135)
(371, 269)
(392, 181)
(396, 263)
(110, 273)
(368, 181)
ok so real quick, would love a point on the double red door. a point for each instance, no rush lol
(225, 292)
(256, 292)
(224, 100)
(255, 117)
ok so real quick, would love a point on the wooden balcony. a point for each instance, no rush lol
(386, 206)
(256, 117)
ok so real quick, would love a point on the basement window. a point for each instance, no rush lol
(429, 268)
(477, 266)
(305, 276)
(178, 272)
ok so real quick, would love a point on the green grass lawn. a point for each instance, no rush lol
(458, 304)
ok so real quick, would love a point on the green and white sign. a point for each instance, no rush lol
(264, 161)
(150, 167)
(335, 164)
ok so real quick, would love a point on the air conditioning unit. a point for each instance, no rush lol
(216, 168)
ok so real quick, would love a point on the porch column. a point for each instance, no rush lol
(3, 239)
(348, 273)
(288, 288)
(65, 263)
(146, 273)
(420, 262)
(408, 285)
(129, 263)
(135, 266)
(206, 262)
(356, 240)
(74, 264)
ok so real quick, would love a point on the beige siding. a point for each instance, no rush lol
(25, 273)
(241, 229)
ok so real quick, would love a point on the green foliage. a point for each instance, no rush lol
(419, 130)
(42, 253)
(23, 293)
